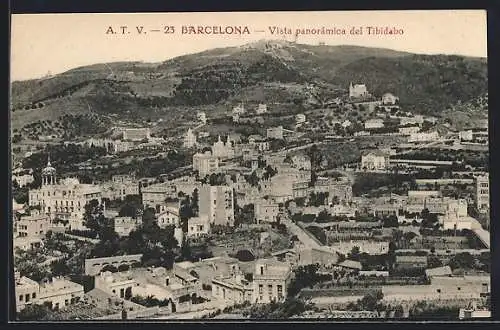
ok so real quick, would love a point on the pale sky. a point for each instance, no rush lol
(43, 43)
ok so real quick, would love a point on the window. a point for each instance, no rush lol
(280, 291)
(66, 302)
(21, 298)
(33, 295)
(270, 290)
(261, 270)
(261, 289)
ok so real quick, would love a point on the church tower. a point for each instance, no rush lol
(49, 174)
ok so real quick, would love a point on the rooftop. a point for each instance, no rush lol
(438, 271)
(351, 264)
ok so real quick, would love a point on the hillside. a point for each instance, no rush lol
(274, 72)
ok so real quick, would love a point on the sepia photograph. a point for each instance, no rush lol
(201, 166)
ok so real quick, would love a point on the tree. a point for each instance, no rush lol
(371, 300)
(252, 179)
(186, 252)
(323, 216)
(390, 221)
(60, 268)
(399, 312)
(433, 261)
(93, 216)
(462, 260)
(34, 312)
(355, 253)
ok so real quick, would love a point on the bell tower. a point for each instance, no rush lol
(49, 174)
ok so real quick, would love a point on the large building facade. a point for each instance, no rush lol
(64, 199)
(271, 280)
(217, 202)
(483, 193)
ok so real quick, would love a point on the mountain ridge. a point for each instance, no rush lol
(425, 83)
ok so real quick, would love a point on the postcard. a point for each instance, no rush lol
(328, 165)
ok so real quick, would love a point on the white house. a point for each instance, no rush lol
(424, 137)
(198, 226)
(466, 135)
(358, 90)
(408, 130)
(300, 118)
(389, 99)
(374, 123)
(261, 108)
(375, 160)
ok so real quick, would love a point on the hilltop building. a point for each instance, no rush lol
(275, 133)
(189, 139)
(358, 91)
(223, 150)
(136, 134)
(261, 108)
(300, 118)
(375, 160)
(389, 99)
(202, 117)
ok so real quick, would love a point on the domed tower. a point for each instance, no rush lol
(49, 174)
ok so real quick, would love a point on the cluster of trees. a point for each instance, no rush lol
(318, 199)
(154, 167)
(214, 179)
(150, 301)
(278, 310)
(66, 156)
(368, 182)
(244, 215)
(189, 208)
(424, 310)
(439, 83)
(158, 245)
(470, 157)
(319, 233)
(131, 206)
(20, 194)
(35, 312)
(429, 220)
(306, 277)
(372, 301)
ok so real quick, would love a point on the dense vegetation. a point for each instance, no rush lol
(425, 84)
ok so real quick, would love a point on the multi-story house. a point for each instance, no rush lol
(483, 193)
(217, 203)
(375, 160)
(205, 163)
(65, 199)
(270, 281)
(124, 225)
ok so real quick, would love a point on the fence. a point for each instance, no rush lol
(141, 313)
